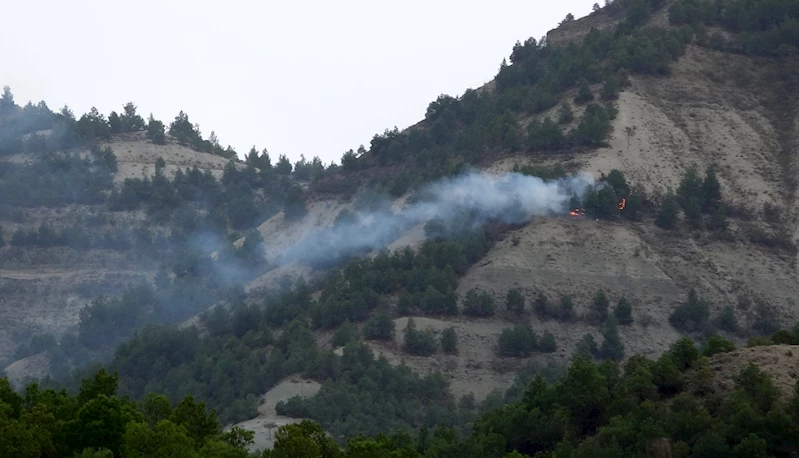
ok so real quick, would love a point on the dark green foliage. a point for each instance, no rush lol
(547, 343)
(611, 88)
(283, 166)
(766, 319)
(93, 126)
(294, 207)
(566, 311)
(717, 344)
(612, 347)
(600, 306)
(518, 341)
(623, 312)
(98, 423)
(692, 315)
(684, 353)
(546, 135)
(419, 343)
(449, 341)
(542, 307)
(711, 191)
(346, 333)
(601, 204)
(760, 27)
(669, 210)
(156, 131)
(515, 301)
(584, 94)
(478, 304)
(379, 327)
(594, 127)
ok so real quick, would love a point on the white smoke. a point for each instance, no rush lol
(512, 198)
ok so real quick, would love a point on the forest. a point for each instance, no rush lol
(606, 403)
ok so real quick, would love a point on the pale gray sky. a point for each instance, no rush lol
(302, 77)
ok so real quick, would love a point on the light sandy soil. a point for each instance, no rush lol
(266, 423)
(136, 157)
(780, 362)
(35, 366)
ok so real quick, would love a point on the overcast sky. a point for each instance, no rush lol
(296, 77)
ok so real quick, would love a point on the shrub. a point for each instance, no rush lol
(449, 341)
(566, 308)
(345, 333)
(547, 343)
(717, 344)
(587, 347)
(684, 353)
(623, 312)
(541, 306)
(518, 341)
(612, 348)
(379, 327)
(726, 320)
(669, 210)
(419, 343)
(478, 304)
(600, 306)
(515, 301)
(584, 94)
(692, 315)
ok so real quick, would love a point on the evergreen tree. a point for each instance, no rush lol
(547, 343)
(155, 131)
(612, 348)
(600, 306)
(711, 192)
(541, 306)
(623, 312)
(584, 94)
(449, 341)
(667, 217)
(566, 308)
(587, 348)
(283, 166)
(478, 304)
(379, 327)
(419, 343)
(515, 301)
(7, 104)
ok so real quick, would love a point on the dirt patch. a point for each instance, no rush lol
(780, 362)
(32, 367)
(266, 423)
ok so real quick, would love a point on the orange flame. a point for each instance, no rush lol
(622, 204)
(577, 212)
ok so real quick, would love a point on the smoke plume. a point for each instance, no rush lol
(512, 198)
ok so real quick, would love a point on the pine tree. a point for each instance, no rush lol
(623, 312)
(449, 341)
(612, 348)
(667, 217)
(584, 94)
(515, 301)
(711, 191)
(600, 306)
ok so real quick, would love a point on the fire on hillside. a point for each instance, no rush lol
(581, 211)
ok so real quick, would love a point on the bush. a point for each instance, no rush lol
(518, 341)
(612, 347)
(419, 343)
(684, 353)
(692, 315)
(346, 332)
(726, 320)
(547, 343)
(566, 308)
(155, 131)
(478, 304)
(515, 301)
(449, 341)
(541, 306)
(584, 94)
(717, 344)
(587, 347)
(379, 327)
(600, 306)
(623, 312)
(669, 211)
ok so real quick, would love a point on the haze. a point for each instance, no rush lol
(313, 78)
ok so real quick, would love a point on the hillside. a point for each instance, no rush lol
(624, 184)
